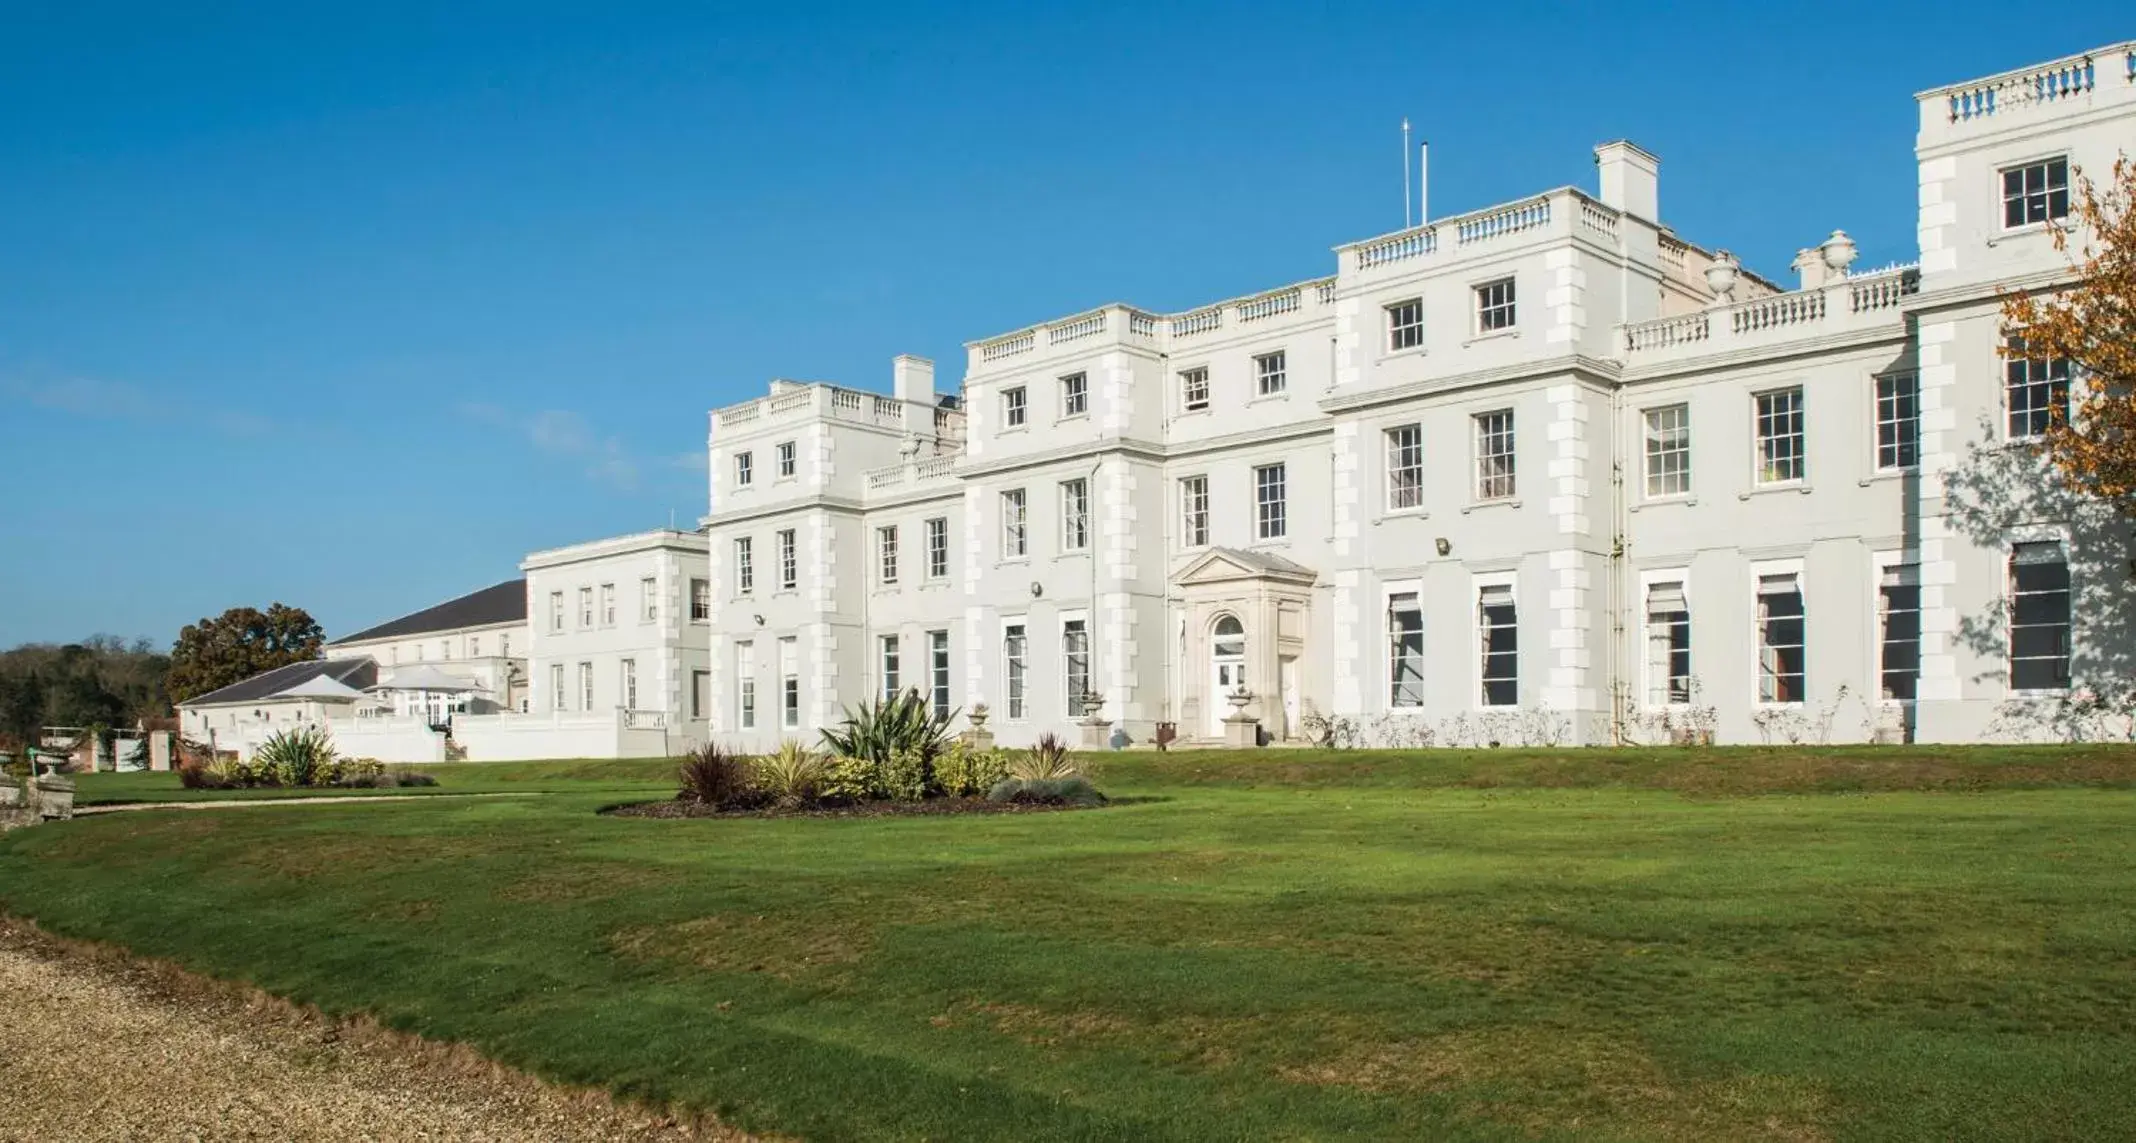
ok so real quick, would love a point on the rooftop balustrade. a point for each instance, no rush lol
(1852, 302)
(800, 400)
(2088, 79)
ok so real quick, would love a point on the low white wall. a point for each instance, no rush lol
(387, 739)
(534, 737)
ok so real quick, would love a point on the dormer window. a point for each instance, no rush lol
(2035, 193)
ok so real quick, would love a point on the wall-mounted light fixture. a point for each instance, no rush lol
(759, 620)
(1445, 546)
(1037, 589)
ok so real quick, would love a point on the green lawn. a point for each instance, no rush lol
(1846, 944)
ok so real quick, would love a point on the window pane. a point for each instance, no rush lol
(1781, 452)
(1668, 451)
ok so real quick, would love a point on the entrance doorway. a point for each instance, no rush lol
(1227, 669)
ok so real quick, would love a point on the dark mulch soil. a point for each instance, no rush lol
(675, 809)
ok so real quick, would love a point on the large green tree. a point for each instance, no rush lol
(239, 644)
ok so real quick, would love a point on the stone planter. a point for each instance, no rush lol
(10, 794)
(55, 797)
(1241, 730)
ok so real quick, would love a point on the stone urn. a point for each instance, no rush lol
(1241, 730)
(1722, 274)
(978, 737)
(1097, 729)
(1838, 251)
(1238, 700)
(978, 715)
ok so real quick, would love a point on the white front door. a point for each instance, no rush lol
(1225, 676)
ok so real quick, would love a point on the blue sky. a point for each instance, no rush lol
(350, 308)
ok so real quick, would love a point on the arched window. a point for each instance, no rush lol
(1230, 637)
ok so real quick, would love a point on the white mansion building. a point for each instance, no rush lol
(1545, 471)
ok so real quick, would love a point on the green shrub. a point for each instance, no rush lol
(908, 776)
(1047, 759)
(196, 775)
(300, 756)
(1070, 791)
(877, 730)
(963, 772)
(792, 776)
(713, 776)
(852, 780)
(413, 779)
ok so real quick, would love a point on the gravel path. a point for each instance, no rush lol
(323, 800)
(97, 1046)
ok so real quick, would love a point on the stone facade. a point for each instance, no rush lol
(1545, 472)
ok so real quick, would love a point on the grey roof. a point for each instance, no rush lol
(502, 603)
(1263, 561)
(359, 672)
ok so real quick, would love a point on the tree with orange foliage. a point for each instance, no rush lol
(2090, 323)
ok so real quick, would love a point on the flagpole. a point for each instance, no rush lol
(1407, 221)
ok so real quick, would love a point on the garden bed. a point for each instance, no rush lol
(878, 809)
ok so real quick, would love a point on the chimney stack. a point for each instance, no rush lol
(912, 379)
(1631, 179)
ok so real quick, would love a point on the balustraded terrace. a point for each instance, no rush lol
(1853, 302)
(803, 400)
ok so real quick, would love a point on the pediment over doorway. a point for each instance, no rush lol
(1231, 565)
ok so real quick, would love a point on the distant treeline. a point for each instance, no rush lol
(101, 681)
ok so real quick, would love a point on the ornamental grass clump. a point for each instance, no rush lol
(1045, 760)
(301, 756)
(713, 776)
(1074, 790)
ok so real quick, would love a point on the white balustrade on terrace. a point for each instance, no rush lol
(1076, 328)
(798, 400)
(1200, 321)
(912, 472)
(1852, 302)
(2079, 80)
(1503, 221)
(1269, 305)
(1539, 215)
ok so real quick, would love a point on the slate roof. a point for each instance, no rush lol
(503, 603)
(359, 672)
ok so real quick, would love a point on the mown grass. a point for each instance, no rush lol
(1847, 944)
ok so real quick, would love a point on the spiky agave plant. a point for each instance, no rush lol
(300, 756)
(880, 729)
(792, 775)
(1046, 760)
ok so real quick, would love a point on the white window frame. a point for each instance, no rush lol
(2045, 194)
(1405, 325)
(1016, 668)
(1881, 565)
(941, 665)
(1763, 454)
(889, 667)
(744, 565)
(1676, 447)
(745, 689)
(1271, 374)
(1649, 685)
(1482, 431)
(1478, 584)
(1071, 699)
(1271, 515)
(1015, 524)
(1194, 389)
(556, 613)
(789, 683)
(744, 469)
(559, 698)
(1391, 691)
(1404, 486)
(1075, 515)
(628, 669)
(585, 608)
(788, 458)
(1759, 571)
(2039, 374)
(1015, 407)
(585, 686)
(937, 529)
(789, 541)
(1075, 395)
(2012, 539)
(886, 555)
(1496, 312)
(649, 599)
(1902, 398)
(1194, 511)
(608, 605)
(700, 600)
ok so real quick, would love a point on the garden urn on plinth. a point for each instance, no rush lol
(1097, 729)
(1241, 729)
(978, 737)
(55, 797)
